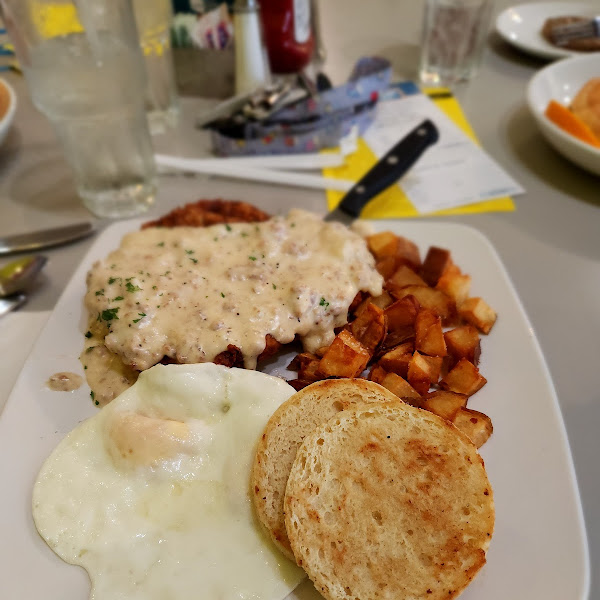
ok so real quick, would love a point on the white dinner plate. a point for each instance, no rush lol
(539, 548)
(521, 25)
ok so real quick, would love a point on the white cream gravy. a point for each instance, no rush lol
(187, 293)
(64, 381)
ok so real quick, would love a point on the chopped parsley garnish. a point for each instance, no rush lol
(154, 287)
(100, 292)
(118, 298)
(228, 227)
(324, 303)
(252, 257)
(189, 252)
(109, 314)
(92, 395)
(88, 334)
(274, 287)
(112, 280)
(113, 266)
(244, 234)
(142, 315)
(161, 244)
(132, 288)
(194, 260)
(222, 295)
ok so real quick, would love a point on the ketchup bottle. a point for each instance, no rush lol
(287, 34)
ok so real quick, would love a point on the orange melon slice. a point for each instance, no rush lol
(560, 115)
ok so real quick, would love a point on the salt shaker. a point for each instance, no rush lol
(251, 67)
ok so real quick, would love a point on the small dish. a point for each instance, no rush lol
(521, 26)
(8, 106)
(561, 81)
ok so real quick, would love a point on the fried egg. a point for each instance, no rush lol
(151, 495)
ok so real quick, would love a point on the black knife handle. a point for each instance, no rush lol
(390, 168)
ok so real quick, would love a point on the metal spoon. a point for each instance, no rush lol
(16, 277)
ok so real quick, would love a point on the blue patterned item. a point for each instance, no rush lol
(313, 123)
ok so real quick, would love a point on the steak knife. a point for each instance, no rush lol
(44, 238)
(385, 172)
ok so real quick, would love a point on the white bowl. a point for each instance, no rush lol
(561, 81)
(9, 115)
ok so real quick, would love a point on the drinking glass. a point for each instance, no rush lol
(153, 19)
(454, 34)
(85, 72)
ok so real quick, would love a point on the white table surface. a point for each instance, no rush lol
(550, 244)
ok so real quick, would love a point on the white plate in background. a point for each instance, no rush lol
(521, 26)
(539, 549)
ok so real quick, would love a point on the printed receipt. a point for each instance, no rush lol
(452, 172)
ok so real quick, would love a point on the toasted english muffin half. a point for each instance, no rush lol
(389, 501)
(290, 424)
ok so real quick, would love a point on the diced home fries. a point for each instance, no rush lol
(420, 339)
